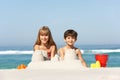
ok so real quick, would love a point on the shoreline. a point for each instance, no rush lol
(61, 74)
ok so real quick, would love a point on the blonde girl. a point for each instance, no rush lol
(45, 44)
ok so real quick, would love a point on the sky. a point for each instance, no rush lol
(96, 21)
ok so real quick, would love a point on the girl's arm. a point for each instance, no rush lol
(61, 53)
(52, 51)
(81, 58)
(36, 47)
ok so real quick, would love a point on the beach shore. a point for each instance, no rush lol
(54, 74)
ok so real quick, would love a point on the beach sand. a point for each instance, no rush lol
(60, 70)
(61, 74)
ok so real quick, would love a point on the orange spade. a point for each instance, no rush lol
(21, 66)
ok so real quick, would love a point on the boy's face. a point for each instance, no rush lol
(70, 40)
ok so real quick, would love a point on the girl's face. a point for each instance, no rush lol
(44, 38)
(70, 40)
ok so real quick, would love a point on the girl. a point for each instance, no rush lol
(44, 47)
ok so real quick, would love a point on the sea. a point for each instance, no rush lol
(12, 56)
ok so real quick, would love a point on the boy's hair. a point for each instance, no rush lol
(71, 33)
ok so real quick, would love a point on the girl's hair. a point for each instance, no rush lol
(44, 30)
(71, 33)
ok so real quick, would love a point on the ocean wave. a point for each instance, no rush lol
(21, 52)
(105, 50)
(16, 52)
(82, 51)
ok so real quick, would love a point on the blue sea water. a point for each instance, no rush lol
(11, 57)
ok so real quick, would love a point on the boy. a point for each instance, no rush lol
(69, 52)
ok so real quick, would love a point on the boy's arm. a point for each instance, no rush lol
(81, 58)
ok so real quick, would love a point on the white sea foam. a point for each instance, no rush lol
(105, 50)
(82, 51)
(16, 52)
